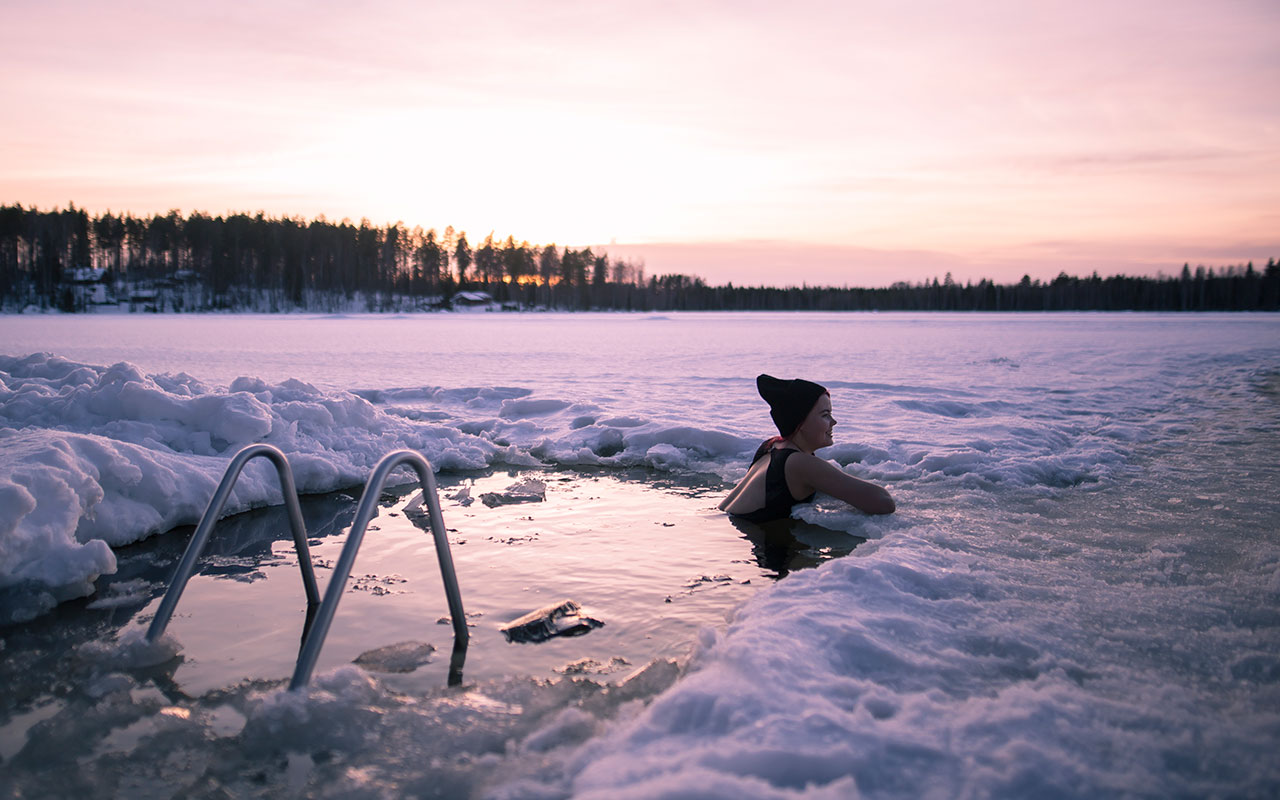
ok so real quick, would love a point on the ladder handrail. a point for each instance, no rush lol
(207, 522)
(314, 639)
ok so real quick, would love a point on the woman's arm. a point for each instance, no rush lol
(809, 470)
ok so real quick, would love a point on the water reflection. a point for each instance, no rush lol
(786, 545)
(41, 656)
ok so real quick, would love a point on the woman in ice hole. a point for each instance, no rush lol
(785, 471)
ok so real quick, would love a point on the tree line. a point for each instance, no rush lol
(1232, 288)
(69, 260)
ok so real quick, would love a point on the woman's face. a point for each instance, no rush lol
(815, 431)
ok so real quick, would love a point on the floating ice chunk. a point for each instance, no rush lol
(131, 651)
(589, 666)
(525, 490)
(654, 677)
(125, 593)
(108, 684)
(462, 497)
(665, 456)
(337, 710)
(564, 618)
(399, 657)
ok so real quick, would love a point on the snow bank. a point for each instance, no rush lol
(100, 456)
(913, 669)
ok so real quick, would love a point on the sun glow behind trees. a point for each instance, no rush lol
(567, 176)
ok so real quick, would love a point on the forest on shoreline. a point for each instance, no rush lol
(71, 261)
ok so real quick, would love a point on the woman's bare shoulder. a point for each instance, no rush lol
(809, 463)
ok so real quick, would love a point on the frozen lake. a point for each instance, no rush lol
(1079, 594)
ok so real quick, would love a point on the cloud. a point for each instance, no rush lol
(1142, 159)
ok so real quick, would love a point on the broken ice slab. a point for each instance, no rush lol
(399, 657)
(564, 618)
(654, 677)
(462, 497)
(525, 490)
(589, 666)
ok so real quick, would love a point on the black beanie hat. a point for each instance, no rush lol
(789, 401)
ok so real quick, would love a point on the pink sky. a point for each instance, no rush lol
(849, 143)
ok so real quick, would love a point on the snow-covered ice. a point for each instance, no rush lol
(1079, 594)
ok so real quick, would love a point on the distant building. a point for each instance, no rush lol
(144, 298)
(473, 301)
(87, 286)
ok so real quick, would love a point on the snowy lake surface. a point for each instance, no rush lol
(1078, 596)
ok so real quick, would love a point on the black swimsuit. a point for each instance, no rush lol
(777, 497)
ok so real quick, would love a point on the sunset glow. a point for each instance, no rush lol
(835, 143)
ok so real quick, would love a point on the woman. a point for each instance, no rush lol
(785, 471)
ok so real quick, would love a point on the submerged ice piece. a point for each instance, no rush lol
(564, 618)
(526, 490)
(399, 657)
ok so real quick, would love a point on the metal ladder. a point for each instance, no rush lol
(320, 612)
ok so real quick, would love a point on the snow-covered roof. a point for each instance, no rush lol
(86, 274)
(472, 297)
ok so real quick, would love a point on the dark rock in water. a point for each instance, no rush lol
(399, 657)
(564, 618)
(527, 490)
